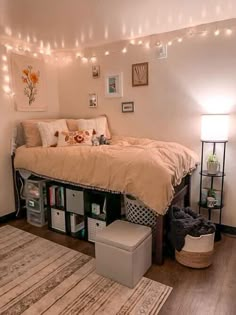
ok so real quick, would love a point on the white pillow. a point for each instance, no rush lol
(99, 124)
(49, 131)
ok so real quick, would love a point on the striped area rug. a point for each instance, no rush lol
(38, 276)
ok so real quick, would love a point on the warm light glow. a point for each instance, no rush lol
(140, 42)
(169, 43)
(158, 44)
(217, 32)
(107, 53)
(124, 50)
(180, 40)
(5, 68)
(6, 89)
(6, 78)
(8, 47)
(214, 127)
(132, 42)
(228, 31)
(78, 55)
(35, 55)
(4, 58)
(93, 59)
(147, 45)
(84, 59)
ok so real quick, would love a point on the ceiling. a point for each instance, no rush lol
(82, 23)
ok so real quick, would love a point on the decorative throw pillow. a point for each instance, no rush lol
(99, 124)
(49, 131)
(82, 137)
(31, 132)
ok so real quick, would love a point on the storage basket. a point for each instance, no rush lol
(197, 251)
(137, 212)
(93, 227)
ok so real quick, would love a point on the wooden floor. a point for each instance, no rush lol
(208, 291)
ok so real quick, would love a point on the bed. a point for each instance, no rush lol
(155, 172)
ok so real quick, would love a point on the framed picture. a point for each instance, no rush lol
(114, 85)
(93, 100)
(162, 52)
(140, 74)
(29, 83)
(127, 107)
(96, 71)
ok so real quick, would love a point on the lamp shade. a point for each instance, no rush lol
(214, 128)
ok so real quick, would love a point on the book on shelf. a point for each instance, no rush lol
(56, 196)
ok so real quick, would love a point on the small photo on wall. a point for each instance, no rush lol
(96, 71)
(127, 107)
(93, 101)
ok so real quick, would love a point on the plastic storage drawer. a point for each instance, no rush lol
(37, 218)
(94, 226)
(33, 204)
(58, 221)
(75, 201)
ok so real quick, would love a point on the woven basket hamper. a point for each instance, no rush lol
(197, 251)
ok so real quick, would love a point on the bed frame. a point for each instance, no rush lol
(181, 199)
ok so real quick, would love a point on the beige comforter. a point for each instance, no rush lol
(144, 168)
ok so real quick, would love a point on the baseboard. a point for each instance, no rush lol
(227, 229)
(8, 217)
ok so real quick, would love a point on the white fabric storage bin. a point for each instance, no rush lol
(124, 252)
(93, 227)
(58, 221)
(75, 201)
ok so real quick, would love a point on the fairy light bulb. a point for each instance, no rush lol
(4, 58)
(93, 59)
(228, 31)
(107, 53)
(124, 50)
(7, 78)
(147, 45)
(170, 43)
(132, 42)
(84, 59)
(6, 89)
(5, 68)
(217, 32)
(180, 39)
(158, 44)
(140, 42)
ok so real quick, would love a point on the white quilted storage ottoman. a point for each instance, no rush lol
(123, 252)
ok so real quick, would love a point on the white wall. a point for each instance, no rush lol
(197, 77)
(8, 118)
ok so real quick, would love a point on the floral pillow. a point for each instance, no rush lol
(82, 137)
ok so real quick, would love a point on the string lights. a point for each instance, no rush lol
(57, 54)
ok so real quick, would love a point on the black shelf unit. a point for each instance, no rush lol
(113, 207)
(220, 174)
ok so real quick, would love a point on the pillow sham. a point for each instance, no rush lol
(99, 124)
(49, 131)
(82, 137)
(31, 132)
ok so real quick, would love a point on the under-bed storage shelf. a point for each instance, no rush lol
(71, 209)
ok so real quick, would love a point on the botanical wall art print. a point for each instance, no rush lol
(28, 79)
